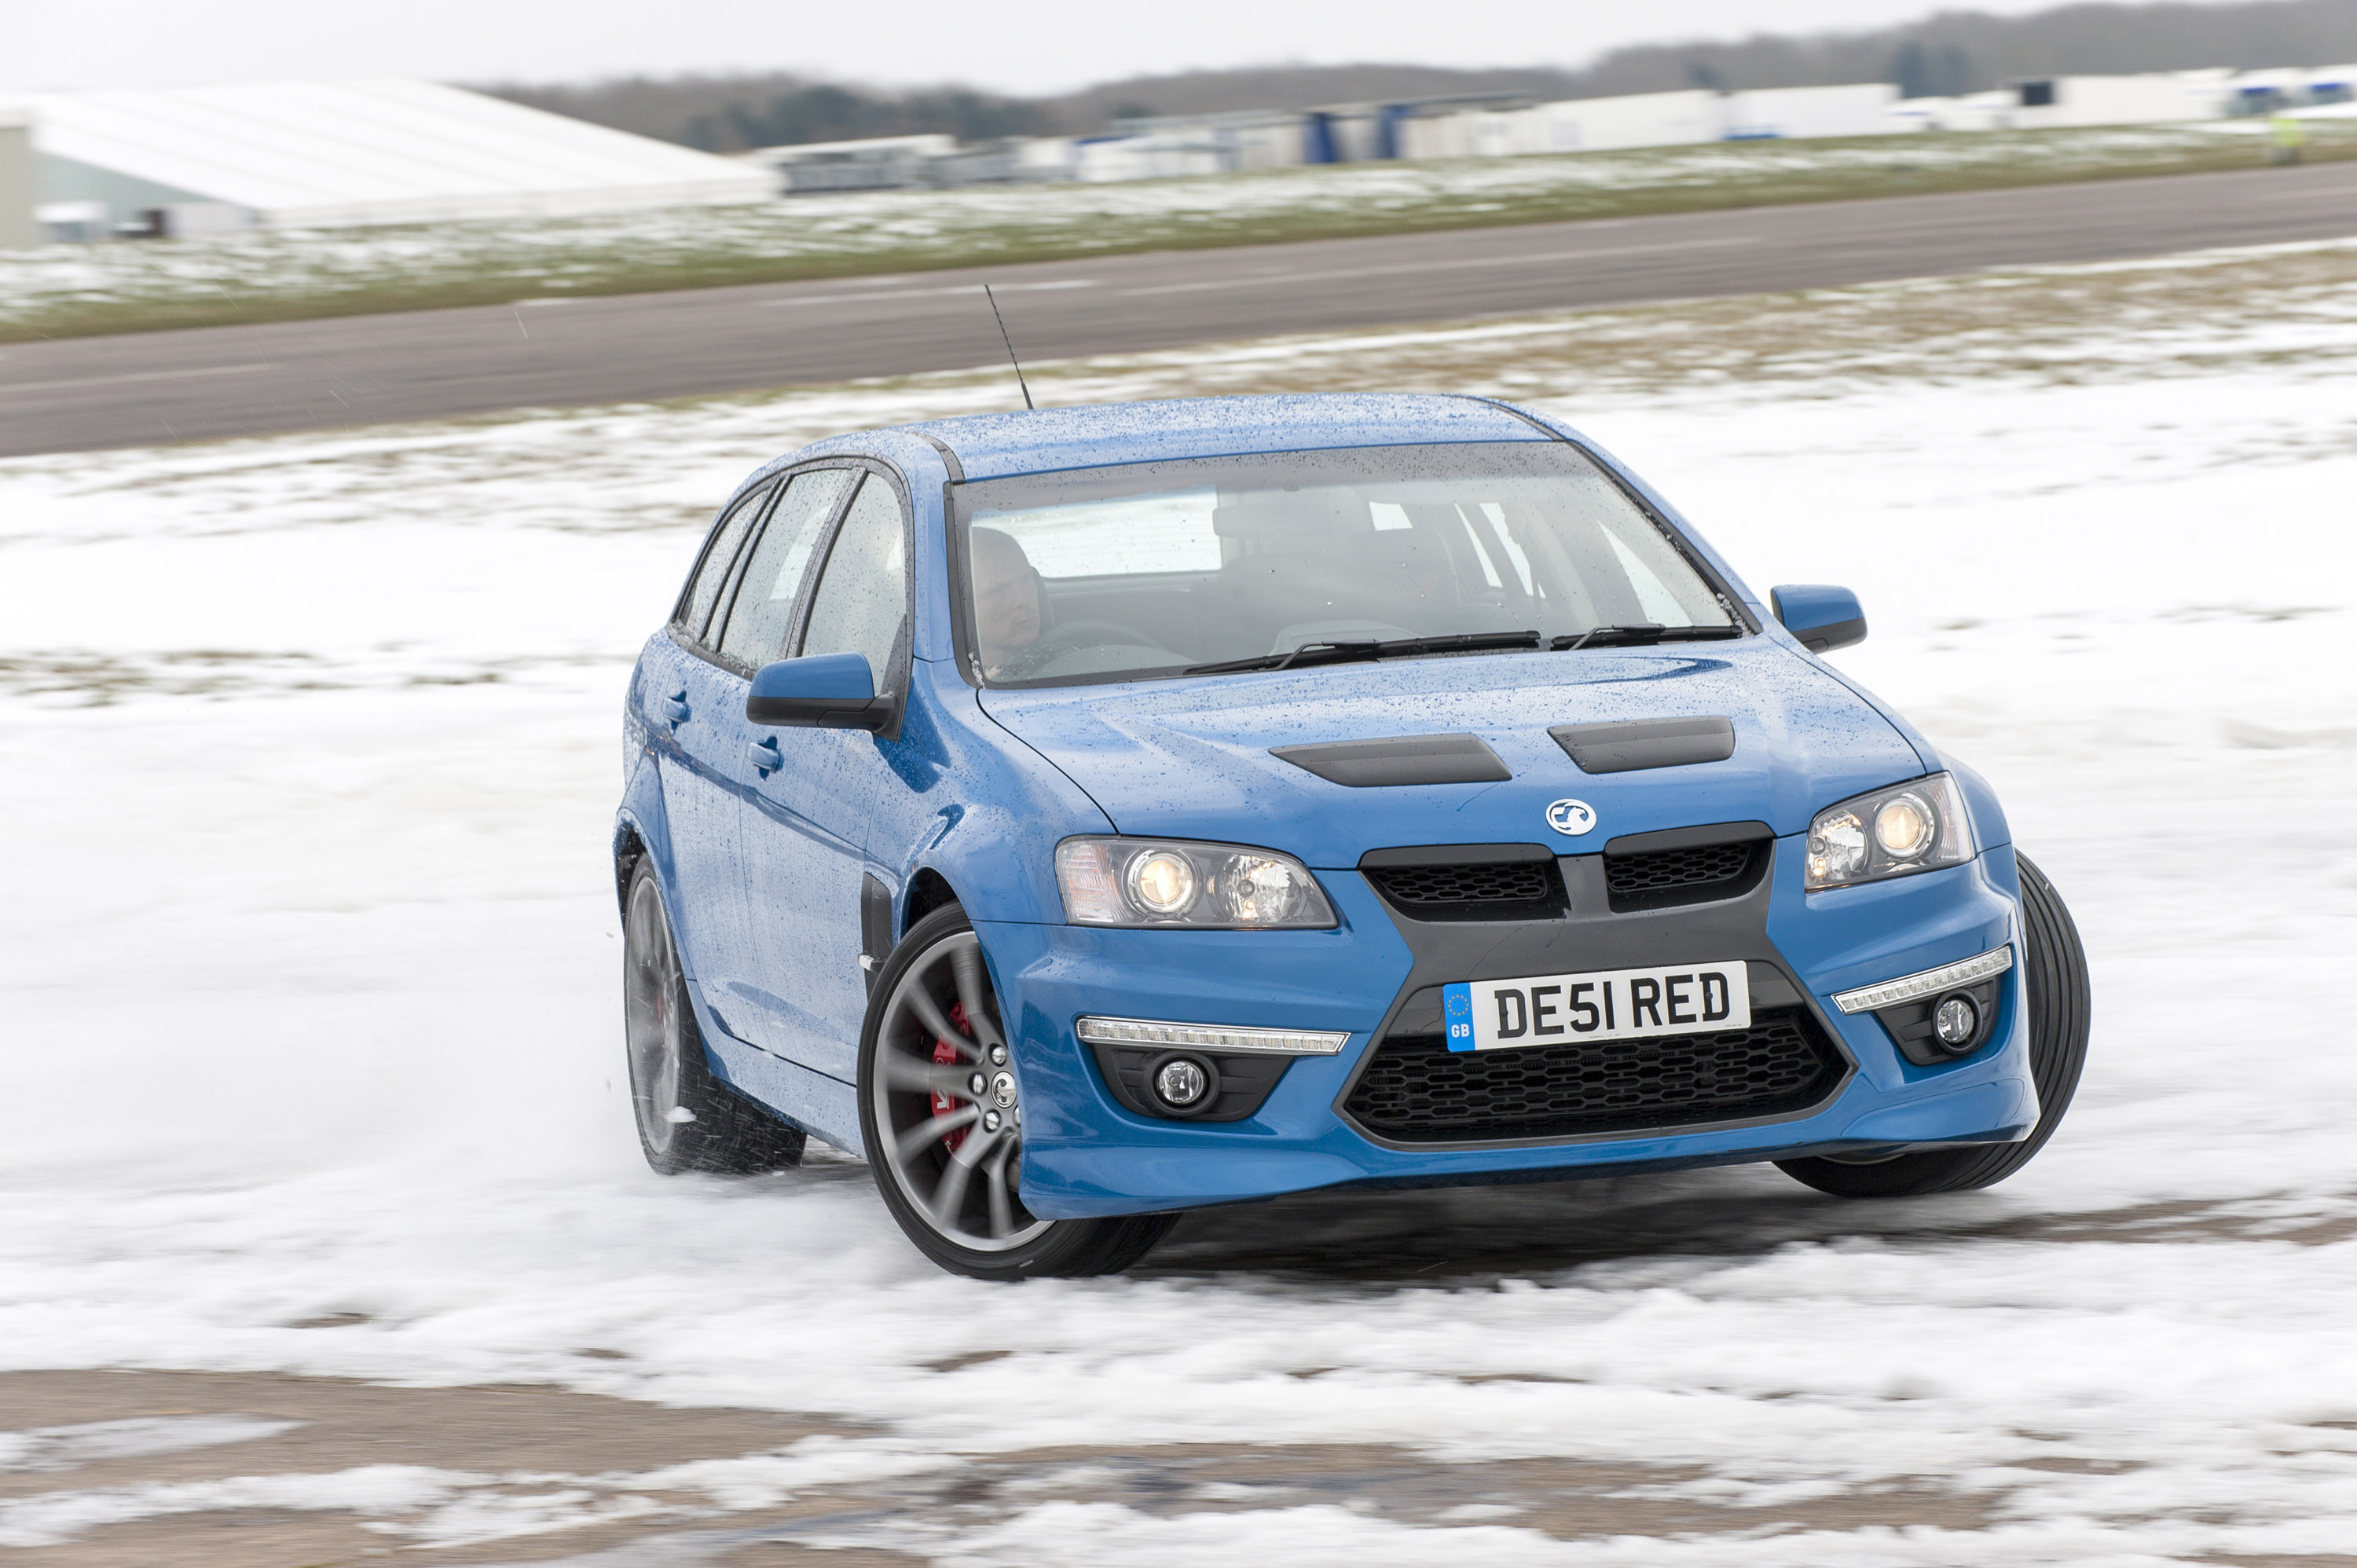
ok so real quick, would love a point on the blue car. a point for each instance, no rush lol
(1095, 813)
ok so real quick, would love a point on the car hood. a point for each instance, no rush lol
(1191, 759)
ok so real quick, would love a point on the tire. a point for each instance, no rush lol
(2056, 1001)
(947, 1156)
(688, 1119)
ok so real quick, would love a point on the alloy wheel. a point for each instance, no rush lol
(946, 1103)
(651, 1020)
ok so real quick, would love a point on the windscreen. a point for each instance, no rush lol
(1158, 568)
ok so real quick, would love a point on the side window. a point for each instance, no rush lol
(861, 604)
(704, 588)
(764, 606)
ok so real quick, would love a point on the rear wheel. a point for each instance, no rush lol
(2055, 1003)
(941, 1115)
(688, 1120)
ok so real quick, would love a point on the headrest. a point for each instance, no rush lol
(1302, 516)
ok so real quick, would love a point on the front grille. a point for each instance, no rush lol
(1415, 1089)
(1491, 882)
(1625, 874)
(1658, 878)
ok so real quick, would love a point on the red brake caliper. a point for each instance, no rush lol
(946, 1054)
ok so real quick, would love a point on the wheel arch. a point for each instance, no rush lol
(632, 845)
(629, 847)
(642, 831)
(927, 891)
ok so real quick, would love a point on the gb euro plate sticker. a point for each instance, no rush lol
(1602, 1004)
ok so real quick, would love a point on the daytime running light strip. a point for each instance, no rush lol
(1210, 1037)
(1907, 988)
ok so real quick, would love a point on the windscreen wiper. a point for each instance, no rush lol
(1642, 636)
(1350, 651)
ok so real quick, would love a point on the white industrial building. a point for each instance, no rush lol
(869, 163)
(1502, 126)
(336, 154)
(2154, 98)
(324, 154)
(2048, 103)
(1650, 120)
(1799, 114)
(1139, 149)
(2311, 90)
(1156, 149)
(18, 192)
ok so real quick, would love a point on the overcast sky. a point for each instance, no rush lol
(1033, 45)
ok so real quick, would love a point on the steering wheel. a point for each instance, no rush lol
(1063, 639)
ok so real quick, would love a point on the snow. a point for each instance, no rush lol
(55, 1518)
(311, 971)
(64, 1447)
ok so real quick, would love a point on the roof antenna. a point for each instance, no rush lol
(1010, 346)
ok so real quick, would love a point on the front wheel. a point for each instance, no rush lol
(2055, 1005)
(942, 1114)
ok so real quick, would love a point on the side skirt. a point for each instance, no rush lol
(826, 1108)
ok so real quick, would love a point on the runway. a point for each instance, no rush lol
(142, 389)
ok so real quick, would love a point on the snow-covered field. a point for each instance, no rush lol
(260, 274)
(310, 960)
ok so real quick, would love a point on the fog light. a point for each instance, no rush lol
(1956, 1020)
(1182, 1082)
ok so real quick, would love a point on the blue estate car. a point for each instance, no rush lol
(1093, 814)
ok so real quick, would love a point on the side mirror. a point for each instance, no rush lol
(1823, 618)
(825, 691)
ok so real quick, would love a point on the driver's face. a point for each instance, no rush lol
(1005, 601)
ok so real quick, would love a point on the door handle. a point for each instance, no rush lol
(764, 757)
(676, 705)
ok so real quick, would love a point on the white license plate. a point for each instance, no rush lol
(1603, 1004)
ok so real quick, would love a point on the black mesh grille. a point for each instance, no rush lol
(1415, 1089)
(1661, 878)
(1666, 868)
(1491, 882)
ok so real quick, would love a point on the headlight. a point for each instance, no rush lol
(1917, 826)
(1157, 882)
(1160, 883)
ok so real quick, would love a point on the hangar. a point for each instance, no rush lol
(312, 154)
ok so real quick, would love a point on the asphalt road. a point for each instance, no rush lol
(140, 388)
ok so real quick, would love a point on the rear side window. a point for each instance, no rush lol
(861, 604)
(704, 588)
(764, 608)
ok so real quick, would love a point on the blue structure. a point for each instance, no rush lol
(1317, 142)
(1097, 813)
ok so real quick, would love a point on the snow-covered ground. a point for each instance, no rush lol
(311, 1012)
(263, 271)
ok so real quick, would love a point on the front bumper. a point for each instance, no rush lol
(1084, 1154)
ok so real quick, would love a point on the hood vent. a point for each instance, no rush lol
(1626, 746)
(1400, 759)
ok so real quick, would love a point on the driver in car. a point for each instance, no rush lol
(1006, 599)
